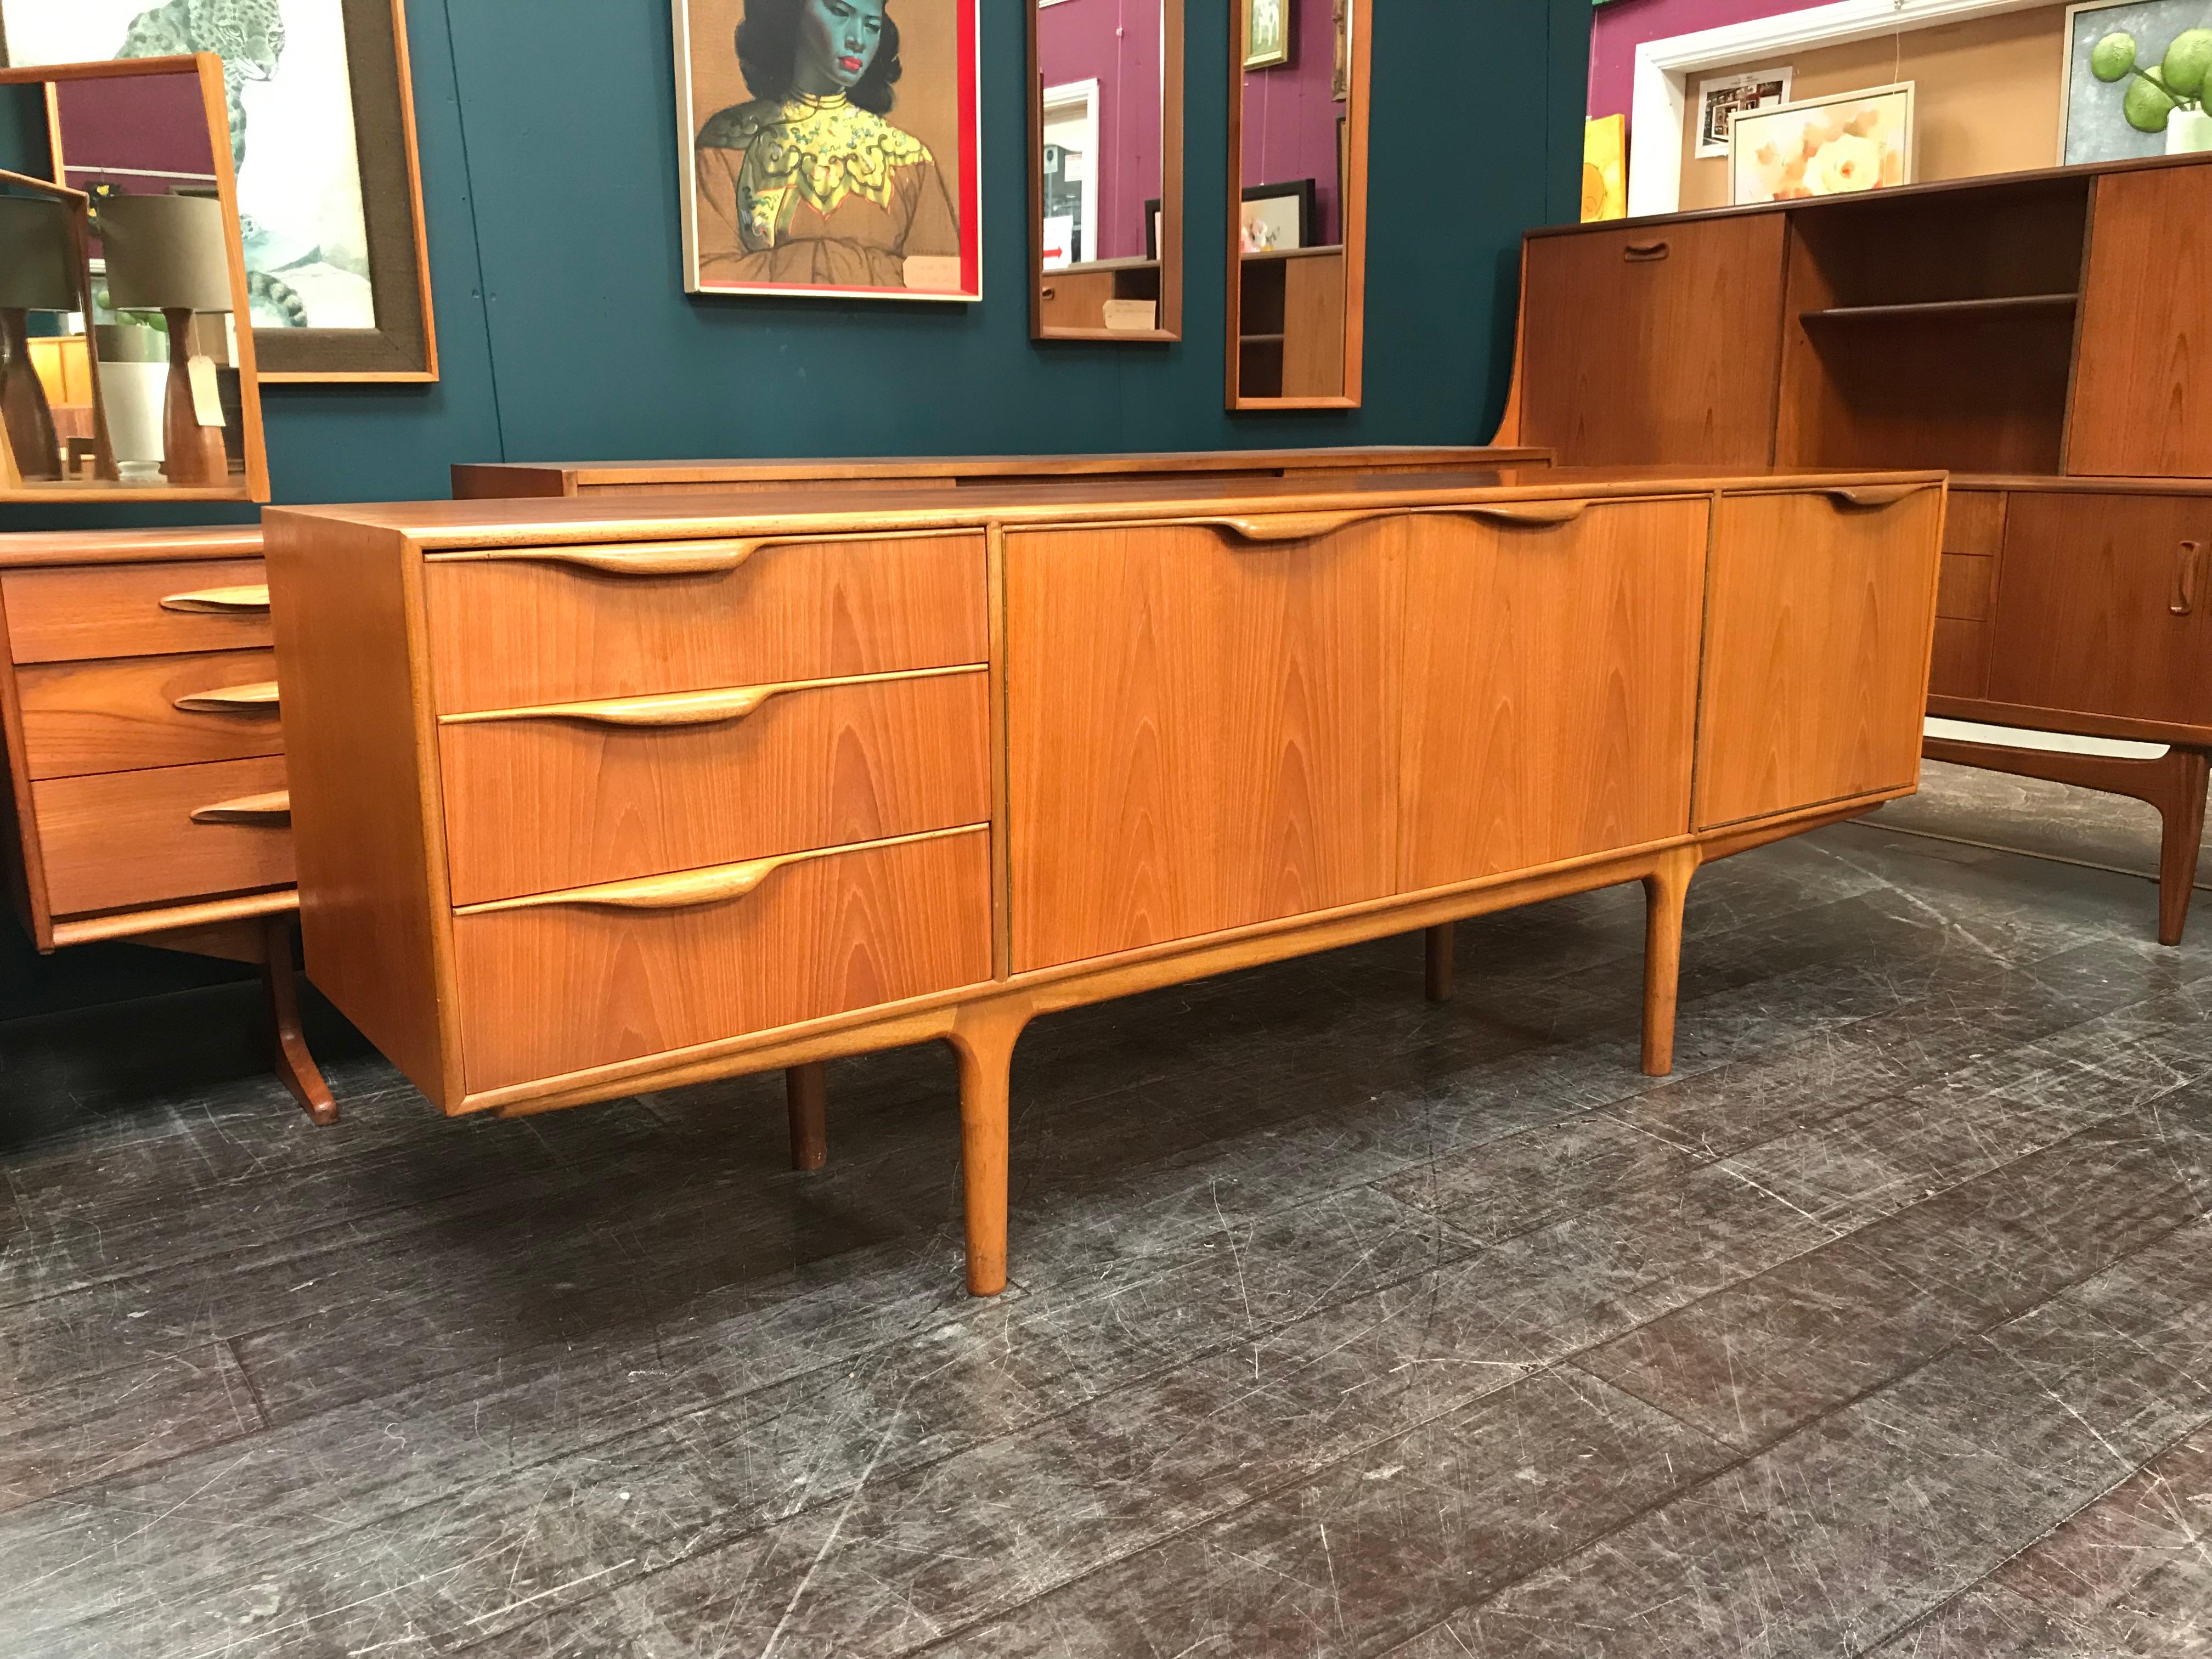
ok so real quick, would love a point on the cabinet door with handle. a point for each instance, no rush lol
(1818, 628)
(2104, 606)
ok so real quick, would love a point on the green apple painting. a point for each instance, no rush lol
(2139, 76)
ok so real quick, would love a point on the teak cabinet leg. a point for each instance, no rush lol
(1441, 939)
(1666, 892)
(2183, 813)
(984, 1039)
(806, 1092)
(294, 1065)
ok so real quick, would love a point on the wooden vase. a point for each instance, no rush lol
(23, 406)
(192, 454)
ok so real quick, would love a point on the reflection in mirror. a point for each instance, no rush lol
(1298, 236)
(122, 367)
(1106, 125)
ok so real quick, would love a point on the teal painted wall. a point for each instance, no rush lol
(549, 159)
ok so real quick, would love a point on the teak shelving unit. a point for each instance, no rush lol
(2044, 336)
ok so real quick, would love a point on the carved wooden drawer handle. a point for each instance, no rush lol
(223, 601)
(693, 890)
(2185, 578)
(232, 699)
(683, 708)
(1527, 515)
(1290, 526)
(275, 807)
(639, 559)
(1868, 498)
(1644, 252)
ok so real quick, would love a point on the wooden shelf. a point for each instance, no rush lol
(1998, 306)
(1260, 339)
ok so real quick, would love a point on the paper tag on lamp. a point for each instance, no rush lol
(207, 392)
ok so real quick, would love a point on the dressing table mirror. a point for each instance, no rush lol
(1298, 203)
(1106, 169)
(125, 374)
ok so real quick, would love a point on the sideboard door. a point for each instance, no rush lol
(1552, 685)
(1818, 630)
(1201, 731)
(2142, 397)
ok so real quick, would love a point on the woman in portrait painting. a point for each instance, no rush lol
(809, 184)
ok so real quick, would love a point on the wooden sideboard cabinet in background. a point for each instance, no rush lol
(145, 752)
(2042, 336)
(867, 769)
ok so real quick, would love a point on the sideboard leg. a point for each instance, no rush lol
(294, 1065)
(806, 1094)
(1442, 938)
(984, 1039)
(2183, 813)
(1666, 892)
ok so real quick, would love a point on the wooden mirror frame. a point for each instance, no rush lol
(1171, 162)
(254, 485)
(1353, 212)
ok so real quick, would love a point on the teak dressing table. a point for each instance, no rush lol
(599, 797)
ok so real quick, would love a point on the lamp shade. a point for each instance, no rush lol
(37, 270)
(165, 252)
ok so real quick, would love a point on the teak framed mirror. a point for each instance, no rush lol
(1298, 203)
(126, 346)
(1106, 169)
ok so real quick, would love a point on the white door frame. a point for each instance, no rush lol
(1663, 67)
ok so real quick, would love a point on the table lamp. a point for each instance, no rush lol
(38, 272)
(172, 254)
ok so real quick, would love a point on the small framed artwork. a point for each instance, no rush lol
(1267, 32)
(1605, 169)
(830, 151)
(1722, 99)
(1279, 218)
(1340, 85)
(322, 138)
(2137, 80)
(1834, 146)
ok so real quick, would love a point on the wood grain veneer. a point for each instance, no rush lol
(125, 839)
(2142, 402)
(70, 616)
(122, 716)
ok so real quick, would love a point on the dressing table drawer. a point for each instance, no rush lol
(76, 615)
(107, 716)
(563, 625)
(554, 986)
(614, 791)
(158, 837)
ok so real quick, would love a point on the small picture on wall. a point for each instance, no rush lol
(830, 148)
(1721, 100)
(2138, 80)
(1267, 32)
(1279, 218)
(1605, 169)
(1835, 146)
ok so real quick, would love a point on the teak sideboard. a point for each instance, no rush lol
(147, 796)
(593, 798)
(2046, 337)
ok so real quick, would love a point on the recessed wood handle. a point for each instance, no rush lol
(1289, 527)
(683, 708)
(1527, 515)
(2185, 577)
(643, 558)
(1644, 252)
(1869, 498)
(232, 699)
(221, 601)
(275, 807)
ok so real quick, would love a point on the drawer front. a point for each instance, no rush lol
(84, 718)
(126, 839)
(1964, 593)
(534, 806)
(557, 988)
(119, 611)
(1961, 665)
(1973, 524)
(507, 634)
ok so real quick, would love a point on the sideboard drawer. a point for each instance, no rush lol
(509, 633)
(84, 718)
(613, 791)
(555, 987)
(131, 838)
(135, 610)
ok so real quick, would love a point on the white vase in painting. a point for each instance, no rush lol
(2188, 132)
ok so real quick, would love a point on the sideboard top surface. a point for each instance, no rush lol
(34, 549)
(437, 527)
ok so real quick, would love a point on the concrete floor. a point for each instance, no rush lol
(1343, 1325)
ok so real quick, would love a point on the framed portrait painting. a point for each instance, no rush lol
(1267, 32)
(322, 133)
(830, 148)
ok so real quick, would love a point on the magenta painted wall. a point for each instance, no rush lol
(1116, 43)
(1290, 117)
(1627, 24)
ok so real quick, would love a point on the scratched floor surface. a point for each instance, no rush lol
(1344, 1325)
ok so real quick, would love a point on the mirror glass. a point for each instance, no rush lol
(1106, 120)
(1297, 238)
(123, 371)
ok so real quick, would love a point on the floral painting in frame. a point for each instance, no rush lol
(1839, 145)
(830, 148)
